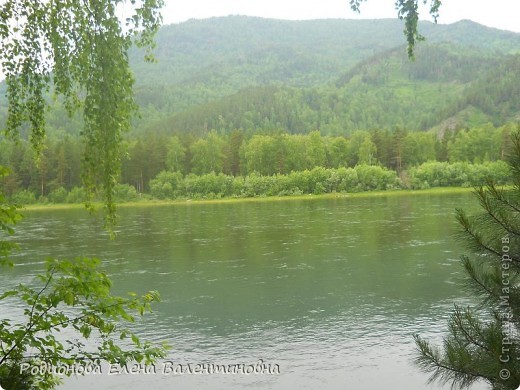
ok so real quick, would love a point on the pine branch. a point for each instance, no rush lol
(469, 230)
(480, 285)
(486, 204)
(430, 360)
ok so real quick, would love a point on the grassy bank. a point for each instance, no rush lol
(366, 194)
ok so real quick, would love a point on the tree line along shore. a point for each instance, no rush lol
(238, 164)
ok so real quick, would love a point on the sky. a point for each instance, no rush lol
(502, 14)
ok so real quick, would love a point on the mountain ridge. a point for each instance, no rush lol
(204, 60)
(335, 75)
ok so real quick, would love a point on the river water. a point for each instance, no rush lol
(328, 291)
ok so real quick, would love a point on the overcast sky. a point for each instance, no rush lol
(503, 14)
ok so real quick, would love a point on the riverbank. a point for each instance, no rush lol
(339, 195)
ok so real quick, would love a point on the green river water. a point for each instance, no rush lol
(330, 290)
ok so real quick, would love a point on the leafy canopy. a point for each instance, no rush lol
(77, 50)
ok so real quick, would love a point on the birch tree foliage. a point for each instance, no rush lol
(76, 50)
(408, 10)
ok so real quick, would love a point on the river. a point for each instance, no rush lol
(329, 291)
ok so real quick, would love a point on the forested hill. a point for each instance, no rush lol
(310, 52)
(332, 75)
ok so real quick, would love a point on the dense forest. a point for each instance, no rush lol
(219, 164)
(281, 107)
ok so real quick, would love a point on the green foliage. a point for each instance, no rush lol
(232, 163)
(172, 185)
(337, 149)
(125, 193)
(260, 55)
(23, 197)
(360, 78)
(367, 152)
(176, 155)
(263, 154)
(257, 185)
(483, 342)
(495, 93)
(59, 195)
(146, 157)
(166, 185)
(476, 145)
(293, 53)
(9, 216)
(75, 295)
(460, 174)
(81, 50)
(77, 195)
(207, 154)
(267, 155)
(208, 186)
(315, 150)
(319, 180)
(418, 148)
(375, 178)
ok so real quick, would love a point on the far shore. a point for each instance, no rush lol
(339, 195)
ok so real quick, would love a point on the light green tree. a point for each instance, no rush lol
(367, 152)
(78, 51)
(260, 154)
(295, 158)
(215, 152)
(199, 161)
(337, 152)
(315, 152)
(176, 155)
(208, 154)
(355, 141)
(476, 145)
(418, 148)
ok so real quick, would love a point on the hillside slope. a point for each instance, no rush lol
(203, 60)
(333, 75)
(384, 91)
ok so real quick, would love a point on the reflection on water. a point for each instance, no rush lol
(332, 290)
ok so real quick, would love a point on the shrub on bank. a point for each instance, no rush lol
(376, 178)
(59, 195)
(23, 197)
(125, 193)
(459, 174)
(319, 180)
(77, 195)
(166, 185)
